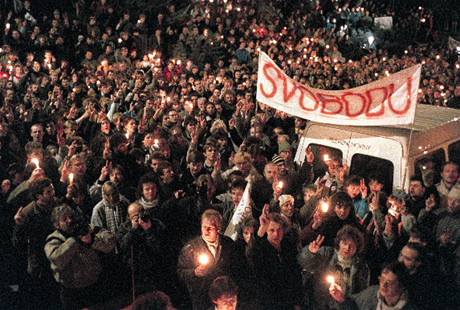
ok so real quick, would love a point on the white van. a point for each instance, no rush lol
(394, 152)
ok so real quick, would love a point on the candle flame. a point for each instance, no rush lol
(36, 162)
(71, 176)
(324, 207)
(203, 259)
(326, 157)
(330, 279)
(280, 184)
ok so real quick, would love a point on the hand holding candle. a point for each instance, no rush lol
(203, 265)
(330, 279)
(280, 185)
(335, 290)
(203, 259)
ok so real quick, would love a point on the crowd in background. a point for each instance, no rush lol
(129, 128)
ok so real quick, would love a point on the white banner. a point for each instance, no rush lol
(389, 101)
(243, 211)
(384, 22)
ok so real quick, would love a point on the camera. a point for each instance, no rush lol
(144, 216)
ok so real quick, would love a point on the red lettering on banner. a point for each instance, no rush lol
(265, 69)
(304, 89)
(371, 101)
(287, 96)
(356, 105)
(408, 102)
(327, 101)
(348, 111)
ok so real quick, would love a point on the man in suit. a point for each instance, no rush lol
(207, 257)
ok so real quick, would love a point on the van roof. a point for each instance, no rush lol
(432, 126)
(428, 117)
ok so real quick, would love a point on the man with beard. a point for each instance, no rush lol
(33, 225)
(449, 187)
(416, 200)
(73, 251)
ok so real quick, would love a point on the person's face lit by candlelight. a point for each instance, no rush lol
(209, 230)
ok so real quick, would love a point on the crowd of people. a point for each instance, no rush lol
(130, 134)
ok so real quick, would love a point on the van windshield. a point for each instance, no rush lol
(325, 155)
(429, 167)
(367, 166)
(454, 152)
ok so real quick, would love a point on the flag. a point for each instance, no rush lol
(243, 211)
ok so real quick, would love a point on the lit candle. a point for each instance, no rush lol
(203, 259)
(330, 279)
(326, 157)
(36, 162)
(156, 143)
(71, 178)
(280, 185)
(324, 207)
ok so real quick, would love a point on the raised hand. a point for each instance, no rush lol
(105, 172)
(315, 245)
(263, 219)
(336, 292)
(430, 203)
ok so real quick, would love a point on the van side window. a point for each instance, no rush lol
(365, 166)
(324, 154)
(429, 167)
(454, 152)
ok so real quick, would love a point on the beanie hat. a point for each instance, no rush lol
(277, 160)
(284, 147)
(285, 198)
